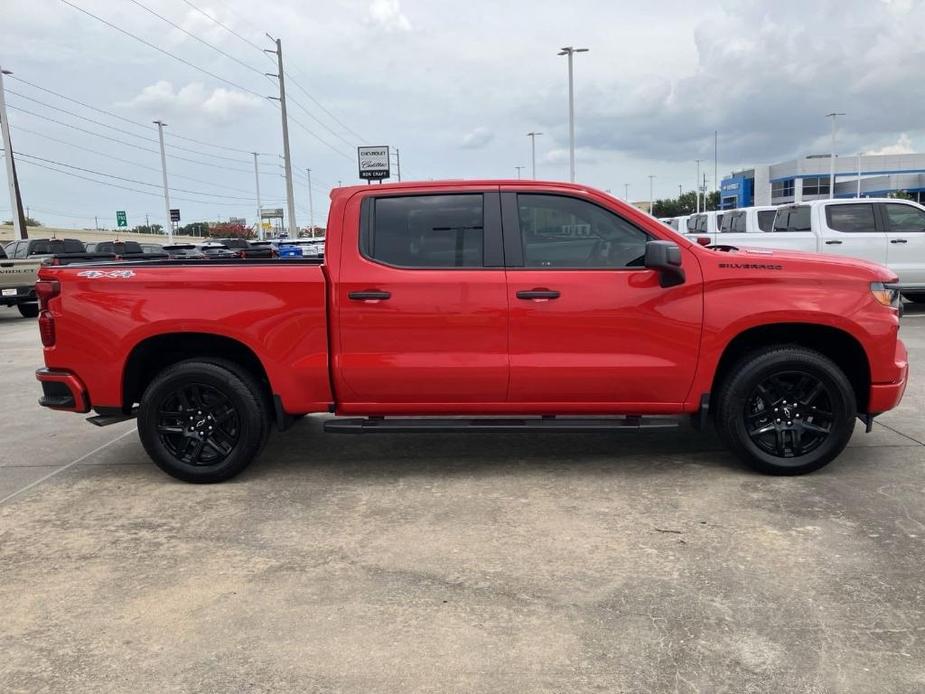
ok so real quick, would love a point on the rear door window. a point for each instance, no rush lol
(427, 231)
(792, 219)
(904, 218)
(765, 219)
(851, 218)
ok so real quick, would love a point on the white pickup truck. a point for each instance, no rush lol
(883, 230)
(17, 284)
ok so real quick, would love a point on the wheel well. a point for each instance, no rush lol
(836, 344)
(154, 354)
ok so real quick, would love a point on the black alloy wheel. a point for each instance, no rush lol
(198, 424)
(789, 414)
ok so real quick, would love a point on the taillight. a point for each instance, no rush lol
(46, 291)
(47, 328)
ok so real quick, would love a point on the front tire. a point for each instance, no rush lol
(28, 310)
(786, 410)
(203, 421)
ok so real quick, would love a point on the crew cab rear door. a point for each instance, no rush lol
(904, 224)
(851, 229)
(420, 304)
(591, 329)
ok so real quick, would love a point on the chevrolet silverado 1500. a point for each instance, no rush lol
(478, 306)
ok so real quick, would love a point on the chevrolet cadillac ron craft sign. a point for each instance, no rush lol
(374, 162)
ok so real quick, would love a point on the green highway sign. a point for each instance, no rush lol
(120, 218)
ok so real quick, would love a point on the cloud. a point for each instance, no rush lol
(477, 139)
(388, 15)
(902, 146)
(561, 156)
(220, 105)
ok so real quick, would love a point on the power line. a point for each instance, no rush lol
(324, 142)
(122, 118)
(315, 118)
(197, 38)
(226, 28)
(161, 50)
(321, 106)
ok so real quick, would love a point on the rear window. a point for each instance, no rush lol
(56, 247)
(792, 219)
(851, 218)
(235, 243)
(427, 231)
(765, 219)
(734, 222)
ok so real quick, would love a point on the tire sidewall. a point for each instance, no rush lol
(251, 419)
(741, 388)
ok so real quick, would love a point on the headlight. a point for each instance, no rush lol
(886, 294)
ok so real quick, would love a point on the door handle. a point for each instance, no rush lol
(898, 241)
(369, 296)
(833, 243)
(538, 294)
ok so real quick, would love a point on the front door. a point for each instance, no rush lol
(421, 306)
(851, 229)
(590, 327)
(905, 230)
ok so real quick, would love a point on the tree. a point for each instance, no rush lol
(227, 230)
(194, 229)
(901, 195)
(148, 229)
(30, 222)
(684, 204)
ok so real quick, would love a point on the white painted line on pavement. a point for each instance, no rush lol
(65, 467)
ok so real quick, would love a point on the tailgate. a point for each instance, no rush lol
(18, 273)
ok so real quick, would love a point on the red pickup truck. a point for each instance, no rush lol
(478, 306)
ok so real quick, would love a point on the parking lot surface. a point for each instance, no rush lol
(594, 562)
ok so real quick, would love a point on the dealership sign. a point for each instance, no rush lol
(373, 162)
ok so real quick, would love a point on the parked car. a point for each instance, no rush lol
(17, 284)
(126, 250)
(243, 248)
(679, 224)
(309, 248)
(54, 251)
(747, 220)
(184, 251)
(882, 230)
(442, 305)
(705, 222)
(152, 248)
(216, 251)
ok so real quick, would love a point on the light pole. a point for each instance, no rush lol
(19, 222)
(518, 171)
(160, 134)
(626, 192)
(311, 205)
(532, 136)
(859, 175)
(257, 184)
(680, 191)
(570, 51)
(651, 201)
(833, 116)
(697, 189)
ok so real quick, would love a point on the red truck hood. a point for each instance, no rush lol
(813, 262)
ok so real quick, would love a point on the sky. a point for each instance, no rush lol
(454, 86)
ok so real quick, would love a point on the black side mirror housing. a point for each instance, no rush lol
(665, 258)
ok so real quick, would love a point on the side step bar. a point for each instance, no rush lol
(422, 425)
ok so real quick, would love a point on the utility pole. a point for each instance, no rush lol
(397, 165)
(160, 134)
(518, 171)
(257, 186)
(859, 176)
(19, 222)
(715, 160)
(570, 51)
(651, 200)
(532, 136)
(96, 222)
(680, 193)
(287, 161)
(311, 206)
(834, 116)
(698, 185)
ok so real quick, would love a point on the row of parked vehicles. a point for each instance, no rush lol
(21, 260)
(886, 231)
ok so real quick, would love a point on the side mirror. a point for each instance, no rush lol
(665, 258)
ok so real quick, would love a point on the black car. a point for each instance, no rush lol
(247, 249)
(54, 251)
(127, 250)
(216, 251)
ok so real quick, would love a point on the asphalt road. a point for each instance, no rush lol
(506, 563)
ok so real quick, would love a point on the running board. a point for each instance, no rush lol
(423, 425)
(104, 420)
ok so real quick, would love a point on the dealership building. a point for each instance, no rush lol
(870, 175)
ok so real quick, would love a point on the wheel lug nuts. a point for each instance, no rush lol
(778, 421)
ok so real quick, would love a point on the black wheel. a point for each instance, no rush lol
(786, 410)
(915, 298)
(203, 421)
(28, 310)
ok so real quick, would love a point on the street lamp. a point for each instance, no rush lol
(651, 200)
(570, 51)
(833, 116)
(518, 171)
(626, 192)
(532, 136)
(697, 189)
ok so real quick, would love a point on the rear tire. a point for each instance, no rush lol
(203, 421)
(786, 410)
(28, 310)
(915, 298)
